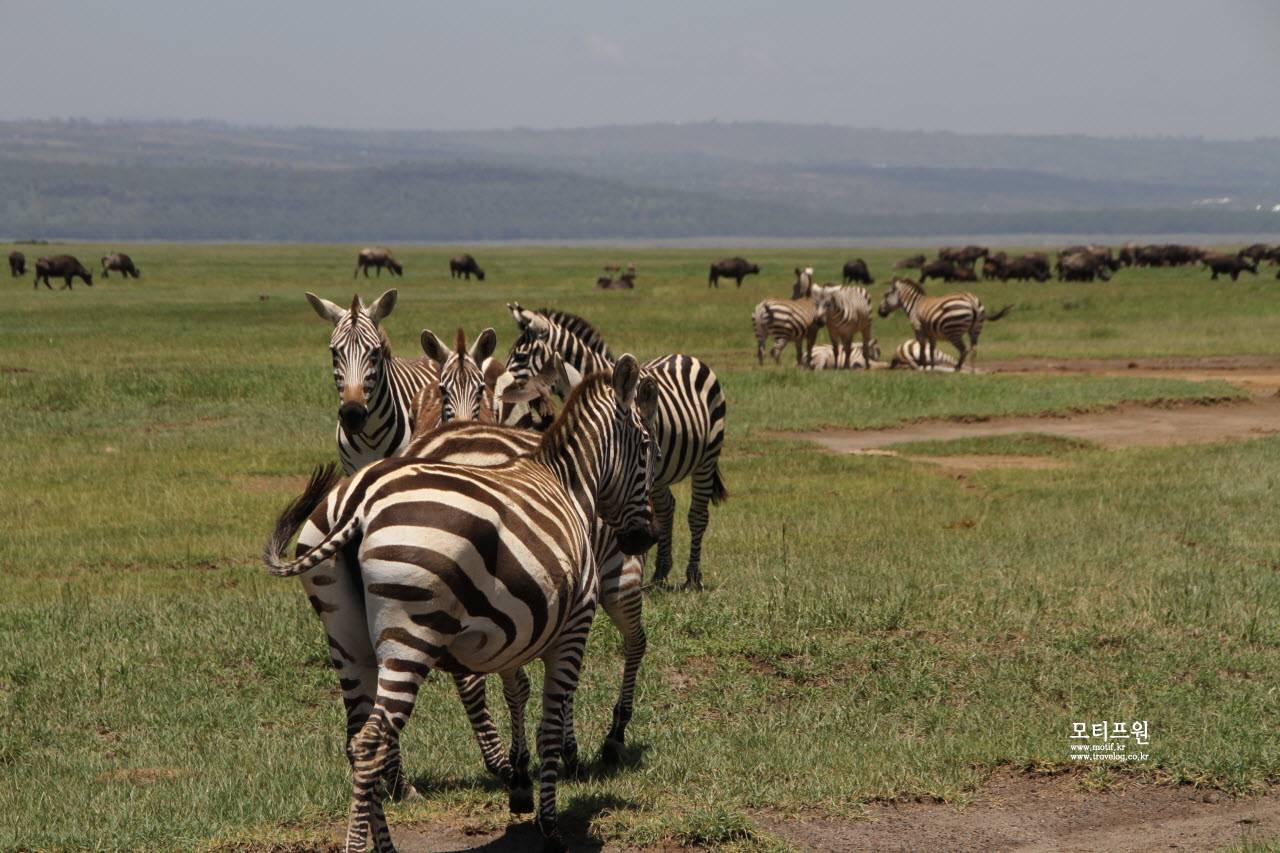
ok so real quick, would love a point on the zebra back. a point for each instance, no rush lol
(911, 353)
(375, 387)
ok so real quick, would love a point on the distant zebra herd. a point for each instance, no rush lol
(845, 310)
(463, 540)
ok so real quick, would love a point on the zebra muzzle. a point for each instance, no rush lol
(353, 416)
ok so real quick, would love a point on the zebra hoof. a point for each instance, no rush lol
(521, 800)
(611, 752)
(407, 794)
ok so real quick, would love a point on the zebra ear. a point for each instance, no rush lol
(326, 309)
(626, 376)
(382, 306)
(484, 345)
(647, 399)
(518, 314)
(567, 376)
(434, 347)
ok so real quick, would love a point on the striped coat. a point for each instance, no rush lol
(917, 356)
(689, 425)
(825, 357)
(375, 388)
(937, 318)
(846, 311)
(470, 570)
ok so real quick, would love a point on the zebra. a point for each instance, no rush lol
(464, 442)
(845, 310)
(825, 357)
(376, 388)
(917, 356)
(934, 318)
(689, 426)
(786, 320)
(414, 566)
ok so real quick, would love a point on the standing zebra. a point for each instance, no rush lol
(689, 425)
(786, 320)
(376, 388)
(470, 570)
(935, 318)
(846, 311)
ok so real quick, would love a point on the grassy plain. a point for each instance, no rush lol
(870, 628)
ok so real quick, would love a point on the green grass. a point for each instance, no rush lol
(1017, 444)
(870, 628)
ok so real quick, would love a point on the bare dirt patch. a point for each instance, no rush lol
(1015, 813)
(1129, 424)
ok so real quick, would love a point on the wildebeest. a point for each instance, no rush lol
(856, 270)
(17, 264)
(962, 256)
(626, 281)
(61, 266)
(1083, 266)
(464, 266)
(1231, 264)
(121, 263)
(734, 268)
(993, 265)
(377, 257)
(1025, 268)
(912, 262)
(938, 268)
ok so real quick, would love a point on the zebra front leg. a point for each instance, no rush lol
(664, 510)
(515, 689)
(622, 600)
(471, 690)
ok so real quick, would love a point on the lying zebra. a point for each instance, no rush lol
(912, 354)
(825, 357)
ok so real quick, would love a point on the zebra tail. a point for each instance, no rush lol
(718, 494)
(996, 316)
(291, 520)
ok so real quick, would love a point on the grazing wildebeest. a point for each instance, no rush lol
(61, 266)
(962, 256)
(463, 266)
(377, 257)
(734, 268)
(938, 268)
(1083, 266)
(1262, 252)
(1233, 265)
(17, 264)
(1025, 268)
(121, 263)
(856, 270)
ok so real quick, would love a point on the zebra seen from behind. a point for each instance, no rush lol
(688, 426)
(846, 311)
(375, 388)
(934, 318)
(786, 320)
(414, 566)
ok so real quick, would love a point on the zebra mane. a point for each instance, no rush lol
(580, 328)
(566, 419)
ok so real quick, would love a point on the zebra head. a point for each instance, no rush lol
(624, 497)
(532, 351)
(892, 300)
(803, 284)
(462, 381)
(529, 402)
(360, 353)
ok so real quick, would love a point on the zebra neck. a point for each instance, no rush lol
(911, 298)
(574, 451)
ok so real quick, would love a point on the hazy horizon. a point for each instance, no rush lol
(1141, 68)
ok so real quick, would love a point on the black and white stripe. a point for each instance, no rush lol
(689, 427)
(786, 320)
(846, 311)
(414, 566)
(376, 389)
(917, 356)
(937, 318)
(825, 357)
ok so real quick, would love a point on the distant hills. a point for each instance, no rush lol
(190, 181)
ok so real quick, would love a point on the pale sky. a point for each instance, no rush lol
(1098, 67)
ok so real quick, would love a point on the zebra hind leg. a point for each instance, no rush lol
(706, 489)
(515, 689)
(664, 510)
(471, 690)
(370, 751)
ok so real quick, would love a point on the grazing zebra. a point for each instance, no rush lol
(846, 311)
(917, 356)
(825, 357)
(414, 566)
(376, 388)
(689, 426)
(786, 320)
(934, 318)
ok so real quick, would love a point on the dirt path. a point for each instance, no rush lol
(1126, 425)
